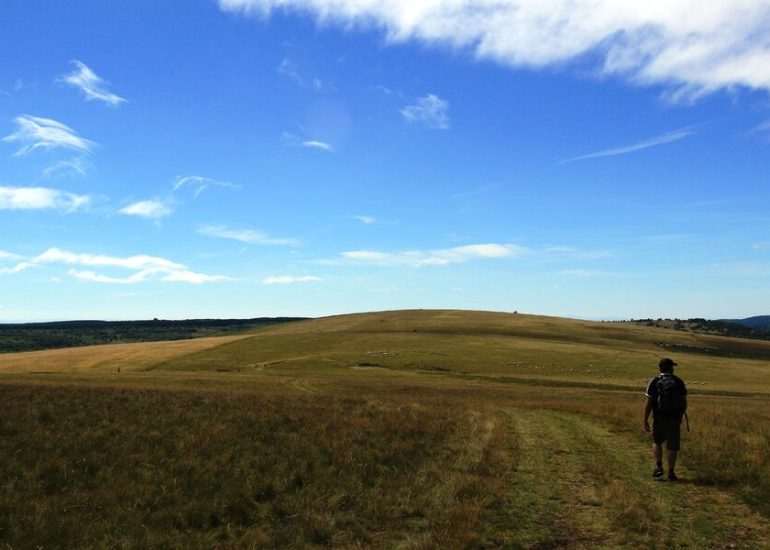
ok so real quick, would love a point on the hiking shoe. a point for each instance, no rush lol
(657, 473)
(672, 477)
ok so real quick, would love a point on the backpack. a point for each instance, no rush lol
(669, 398)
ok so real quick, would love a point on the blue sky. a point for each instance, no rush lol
(243, 158)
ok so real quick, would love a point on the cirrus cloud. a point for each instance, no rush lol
(47, 134)
(92, 85)
(668, 137)
(11, 257)
(200, 183)
(446, 256)
(248, 236)
(76, 166)
(315, 144)
(431, 111)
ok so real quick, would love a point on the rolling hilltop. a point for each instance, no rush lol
(460, 344)
(414, 429)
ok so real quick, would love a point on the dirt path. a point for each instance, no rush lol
(579, 484)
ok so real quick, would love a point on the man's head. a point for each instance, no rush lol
(666, 365)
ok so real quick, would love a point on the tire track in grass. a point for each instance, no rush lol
(555, 506)
(660, 514)
(580, 484)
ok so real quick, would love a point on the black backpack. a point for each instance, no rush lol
(669, 397)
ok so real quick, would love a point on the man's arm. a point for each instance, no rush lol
(647, 411)
(684, 396)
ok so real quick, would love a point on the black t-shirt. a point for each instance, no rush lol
(652, 389)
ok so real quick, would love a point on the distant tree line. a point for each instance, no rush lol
(697, 324)
(65, 334)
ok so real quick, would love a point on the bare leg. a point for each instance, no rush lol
(657, 452)
(671, 459)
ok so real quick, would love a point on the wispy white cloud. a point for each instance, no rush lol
(289, 279)
(248, 236)
(200, 183)
(760, 246)
(691, 46)
(17, 86)
(669, 137)
(142, 267)
(293, 140)
(291, 70)
(15, 258)
(93, 86)
(138, 262)
(158, 208)
(41, 198)
(315, 144)
(446, 256)
(153, 209)
(389, 92)
(77, 166)
(90, 276)
(18, 268)
(182, 276)
(430, 111)
(367, 220)
(47, 134)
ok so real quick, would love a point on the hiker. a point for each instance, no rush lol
(667, 401)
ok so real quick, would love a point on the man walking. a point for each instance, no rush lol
(667, 401)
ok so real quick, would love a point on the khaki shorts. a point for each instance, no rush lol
(667, 428)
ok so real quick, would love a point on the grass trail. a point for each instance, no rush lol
(579, 484)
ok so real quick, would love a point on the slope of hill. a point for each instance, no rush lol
(484, 344)
(461, 344)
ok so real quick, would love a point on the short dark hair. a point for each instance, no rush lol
(666, 365)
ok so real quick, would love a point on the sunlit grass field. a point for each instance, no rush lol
(415, 429)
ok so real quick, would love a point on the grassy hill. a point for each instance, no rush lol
(461, 344)
(444, 343)
(414, 429)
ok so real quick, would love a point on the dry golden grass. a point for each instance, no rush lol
(107, 357)
(95, 467)
(455, 441)
(492, 345)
